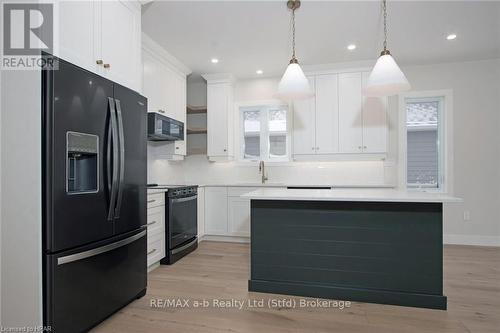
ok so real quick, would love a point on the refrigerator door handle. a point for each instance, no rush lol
(122, 158)
(114, 177)
(99, 250)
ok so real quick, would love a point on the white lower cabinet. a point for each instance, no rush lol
(226, 213)
(216, 211)
(239, 216)
(156, 227)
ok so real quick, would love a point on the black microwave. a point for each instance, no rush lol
(163, 128)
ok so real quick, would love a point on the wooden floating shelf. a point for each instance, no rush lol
(196, 109)
(196, 131)
(197, 151)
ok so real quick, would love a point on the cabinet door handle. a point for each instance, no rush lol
(161, 111)
(317, 148)
(312, 148)
(151, 201)
(225, 149)
(364, 147)
(152, 251)
(151, 223)
(106, 65)
(99, 62)
(359, 147)
(176, 147)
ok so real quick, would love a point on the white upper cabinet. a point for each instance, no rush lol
(304, 137)
(120, 47)
(103, 37)
(164, 84)
(339, 120)
(374, 122)
(327, 114)
(77, 33)
(350, 113)
(220, 117)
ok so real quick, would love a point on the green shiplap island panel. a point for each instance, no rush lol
(381, 252)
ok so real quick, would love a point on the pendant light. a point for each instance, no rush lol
(386, 78)
(294, 84)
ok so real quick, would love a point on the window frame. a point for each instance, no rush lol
(445, 137)
(264, 107)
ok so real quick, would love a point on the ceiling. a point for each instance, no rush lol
(249, 35)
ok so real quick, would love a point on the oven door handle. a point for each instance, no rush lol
(194, 197)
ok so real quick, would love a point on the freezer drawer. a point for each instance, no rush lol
(83, 288)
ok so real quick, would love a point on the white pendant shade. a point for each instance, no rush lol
(386, 78)
(294, 84)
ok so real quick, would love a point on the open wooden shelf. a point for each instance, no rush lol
(196, 131)
(196, 109)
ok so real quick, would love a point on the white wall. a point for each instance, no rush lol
(196, 93)
(21, 216)
(476, 123)
(476, 91)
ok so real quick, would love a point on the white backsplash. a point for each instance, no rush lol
(196, 169)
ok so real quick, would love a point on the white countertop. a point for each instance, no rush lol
(294, 185)
(378, 195)
(157, 190)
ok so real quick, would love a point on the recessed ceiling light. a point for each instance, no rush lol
(259, 71)
(351, 47)
(451, 37)
(214, 60)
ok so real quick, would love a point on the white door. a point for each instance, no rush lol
(239, 217)
(304, 141)
(327, 114)
(374, 122)
(217, 119)
(350, 115)
(121, 42)
(216, 211)
(78, 33)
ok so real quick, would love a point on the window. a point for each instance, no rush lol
(264, 133)
(424, 142)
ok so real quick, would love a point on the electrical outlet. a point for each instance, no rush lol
(466, 215)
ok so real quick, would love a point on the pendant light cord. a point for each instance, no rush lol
(293, 34)
(384, 7)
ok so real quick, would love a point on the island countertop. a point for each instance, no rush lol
(366, 195)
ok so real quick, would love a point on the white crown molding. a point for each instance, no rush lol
(153, 47)
(219, 78)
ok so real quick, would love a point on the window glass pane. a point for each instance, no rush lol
(422, 124)
(277, 120)
(277, 145)
(251, 135)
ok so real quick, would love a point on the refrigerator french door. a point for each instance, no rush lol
(94, 197)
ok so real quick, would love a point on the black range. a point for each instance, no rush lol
(181, 221)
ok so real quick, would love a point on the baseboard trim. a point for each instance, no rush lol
(229, 239)
(450, 239)
(428, 301)
(471, 240)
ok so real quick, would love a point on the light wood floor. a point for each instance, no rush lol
(220, 271)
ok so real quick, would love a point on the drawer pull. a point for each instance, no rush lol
(106, 65)
(151, 223)
(151, 201)
(152, 251)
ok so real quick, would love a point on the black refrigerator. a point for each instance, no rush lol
(94, 197)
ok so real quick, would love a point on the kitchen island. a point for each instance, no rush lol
(375, 245)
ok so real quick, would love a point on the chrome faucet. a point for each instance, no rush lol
(262, 171)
